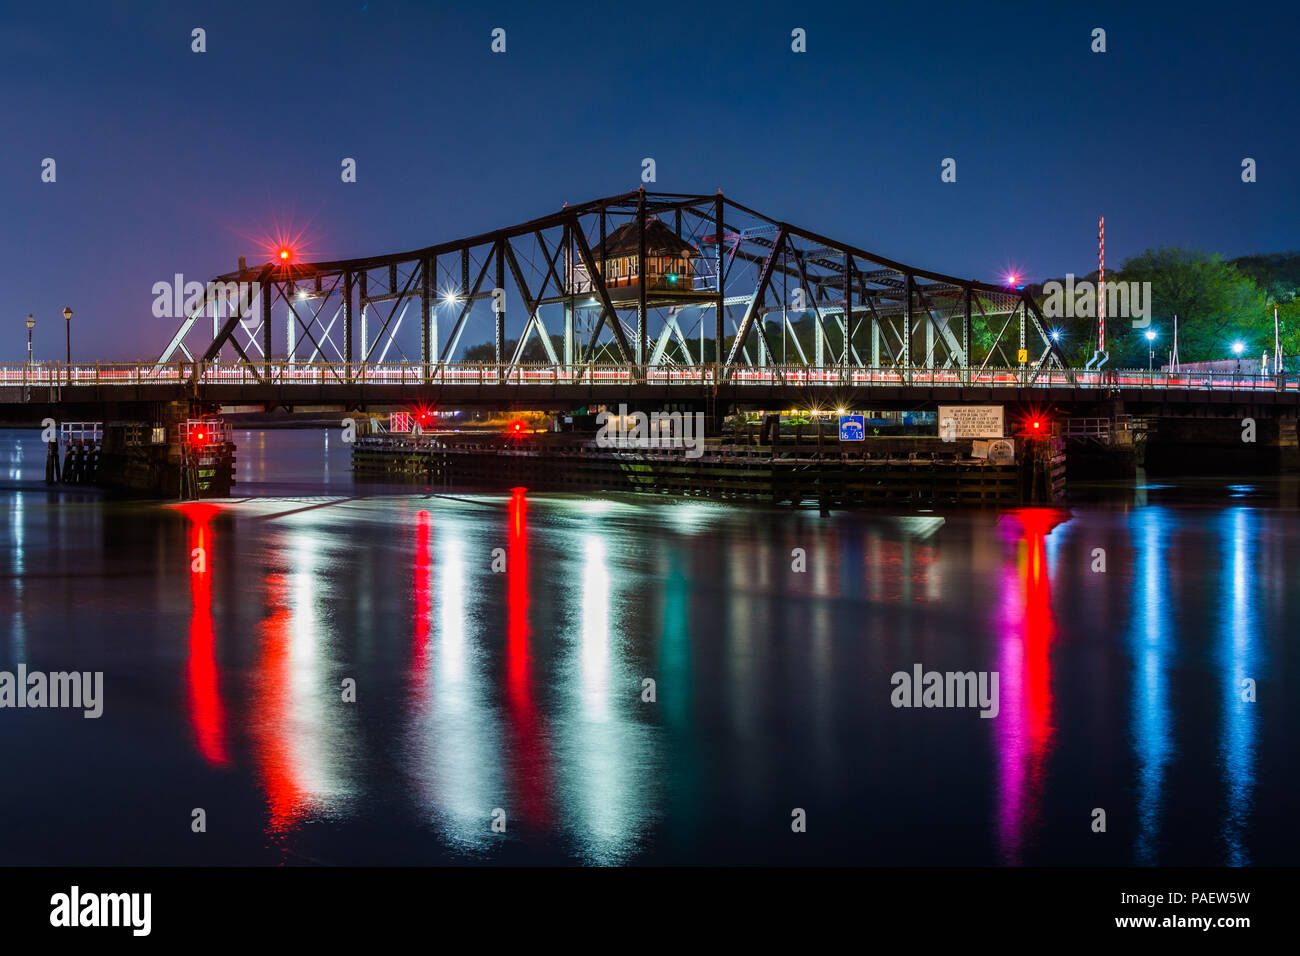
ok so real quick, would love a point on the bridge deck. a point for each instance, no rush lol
(552, 386)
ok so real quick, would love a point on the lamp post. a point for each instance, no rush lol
(1237, 349)
(67, 315)
(27, 369)
(1151, 349)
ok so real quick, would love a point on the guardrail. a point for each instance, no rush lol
(56, 376)
(206, 431)
(81, 433)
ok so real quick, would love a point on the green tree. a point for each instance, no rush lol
(1216, 304)
(1288, 320)
(1277, 273)
(484, 354)
(534, 352)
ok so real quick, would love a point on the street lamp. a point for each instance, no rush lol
(1151, 349)
(31, 324)
(67, 315)
(1237, 349)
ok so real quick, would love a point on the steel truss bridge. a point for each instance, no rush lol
(564, 290)
(644, 296)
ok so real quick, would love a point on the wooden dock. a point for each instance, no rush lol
(798, 470)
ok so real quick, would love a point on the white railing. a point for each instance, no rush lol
(206, 431)
(81, 433)
(58, 376)
(1103, 429)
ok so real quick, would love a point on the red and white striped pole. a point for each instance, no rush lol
(1101, 284)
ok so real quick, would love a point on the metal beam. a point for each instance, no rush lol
(641, 331)
(756, 302)
(607, 313)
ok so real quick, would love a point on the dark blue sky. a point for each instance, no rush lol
(171, 161)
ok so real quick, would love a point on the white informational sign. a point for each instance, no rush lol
(970, 421)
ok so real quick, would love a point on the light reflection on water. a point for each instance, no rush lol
(297, 720)
(456, 738)
(1151, 643)
(1240, 661)
(520, 688)
(1024, 725)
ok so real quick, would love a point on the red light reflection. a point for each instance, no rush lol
(206, 714)
(1024, 728)
(286, 796)
(526, 724)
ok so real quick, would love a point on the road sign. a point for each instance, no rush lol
(852, 428)
(1022, 356)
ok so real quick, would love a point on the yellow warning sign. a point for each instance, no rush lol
(1023, 356)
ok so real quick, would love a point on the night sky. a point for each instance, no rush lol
(172, 161)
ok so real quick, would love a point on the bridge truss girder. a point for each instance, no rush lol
(755, 283)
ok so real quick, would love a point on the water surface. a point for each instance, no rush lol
(520, 690)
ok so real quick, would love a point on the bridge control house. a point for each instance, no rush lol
(669, 263)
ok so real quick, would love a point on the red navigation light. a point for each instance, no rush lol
(424, 414)
(198, 436)
(519, 426)
(283, 244)
(1034, 422)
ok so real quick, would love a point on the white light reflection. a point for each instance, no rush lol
(595, 629)
(603, 749)
(300, 747)
(18, 565)
(689, 517)
(456, 734)
(311, 725)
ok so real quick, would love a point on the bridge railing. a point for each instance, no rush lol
(106, 374)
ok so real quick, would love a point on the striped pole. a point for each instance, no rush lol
(1101, 284)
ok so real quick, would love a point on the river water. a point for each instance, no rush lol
(344, 674)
